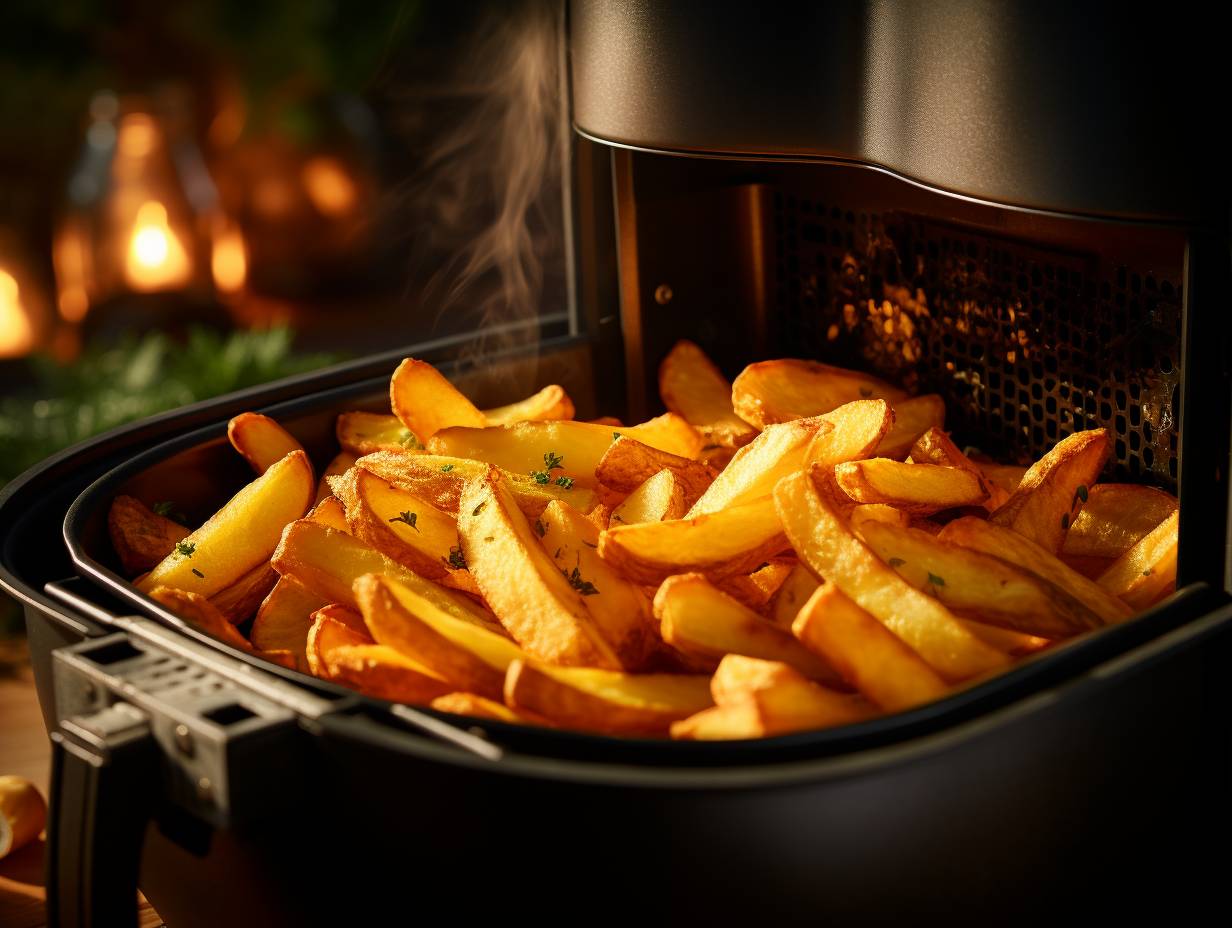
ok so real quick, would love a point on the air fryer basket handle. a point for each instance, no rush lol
(103, 781)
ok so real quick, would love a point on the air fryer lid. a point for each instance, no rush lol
(1072, 107)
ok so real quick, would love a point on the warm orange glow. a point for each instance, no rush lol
(329, 187)
(230, 260)
(69, 257)
(156, 258)
(16, 330)
(138, 135)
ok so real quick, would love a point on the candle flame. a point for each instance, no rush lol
(16, 331)
(156, 258)
(230, 260)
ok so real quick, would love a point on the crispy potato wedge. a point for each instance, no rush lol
(691, 386)
(756, 590)
(400, 525)
(1054, 489)
(198, 611)
(701, 621)
(865, 653)
(361, 433)
(935, 447)
(284, 619)
(1005, 476)
(877, 512)
(985, 536)
(1005, 640)
(536, 603)
(912, 418)
(919, 489)
(660, 497)
(620, 610)
(331, 628)
(1116, 517)
(260, 440)
(461, 653)
(830, 549)
(1146, 573)
(858, 428)
(628, 463)
(330, 511)
(717, 545)
(425, 402)
(241, 599)
(379, 671)
(778, 451)
(328, 562)
(605, 700)
(341, 463)
(550, 403)
(241, 535)
(141, 537)
(786, 389)
(980, 585)
(477, 707)
(668, 432)
(792, 596)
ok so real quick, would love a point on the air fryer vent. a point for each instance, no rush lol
(1027, 345)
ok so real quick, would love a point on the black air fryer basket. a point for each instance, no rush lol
(790, 181)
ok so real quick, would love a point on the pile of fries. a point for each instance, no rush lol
(801, 549)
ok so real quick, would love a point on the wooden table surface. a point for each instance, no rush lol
(25, 751)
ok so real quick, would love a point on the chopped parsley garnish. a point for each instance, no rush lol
(408, 517)
(539, 528)
(455, 559)
(1065, 521)
(185, 548)
(1081, 493)
(551, 461)
(446, 468)
(541, 477)
(407, 439)
(1147, 572)
(615, 435)
(198, 573)
(935, 580)
(478, 509)
(167, 510)
(566, 482)
(896, 562)
(585, 587)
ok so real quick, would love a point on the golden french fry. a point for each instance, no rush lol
(867, 654)
(284, 619)
(1054, 489)
(1005, 476)
(330, 511)
(912, 418)
(462, 653)
(719, 544)
(341, 463)
(858, 428)
(1146, 573)
(401, 526)
(701, 621)
(620, 610)
(605, 700)
(260, 440)
(1116, 517)
(920, 489)
(331, 628)
(552, 402)
(240, 600)
(1005, 640)
(540, 608)
(361, 433)
(786, 389)
(382, 672)
(23, 813)
(628, 463)
(141, 537)
(757, 589)
(691, 386)
(792, 596)
(826, 544)
(668, 432)
(1007, 544)
(197, 610)
(660, 497)
(935, 447)
(478, 707)
(980, 585)
(778, 451)
(239, 536)
(877, 512)
(425, 402)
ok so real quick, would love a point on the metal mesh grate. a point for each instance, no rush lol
(1027, 345)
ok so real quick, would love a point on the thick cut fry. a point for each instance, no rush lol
(370, 432)
(867, 654)
(756, 590)
(620, 610)
(141, 537)
(1054, 489)
(605, 700)
(920, 489)
(383, 673)
(912, 418)
(980, 585)
(628, 463)
(792, 596)
(467, 656)
(981, 535)
(328, 563)
(877, 512)
(786, 389)
(341, 463)
(691, 386)
(1115, 518)
(778, 451)
(858, 429)
(1005, 476)
(699, 620)
(425, 402)
(935, 447)
(660, 497)
(668, 432)
(240, 600)
(716, 545)
(331, 512)
(241, 535)
(284, 620)
(828, 547)
(198, 611)
(260, 440)
(550, 403)
(539, 607)
(478, 707)
(1146, 573)
(331, 628)
(401, 526)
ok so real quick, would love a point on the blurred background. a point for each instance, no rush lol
(203, 195)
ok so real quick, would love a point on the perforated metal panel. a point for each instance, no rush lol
(1027, 345)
